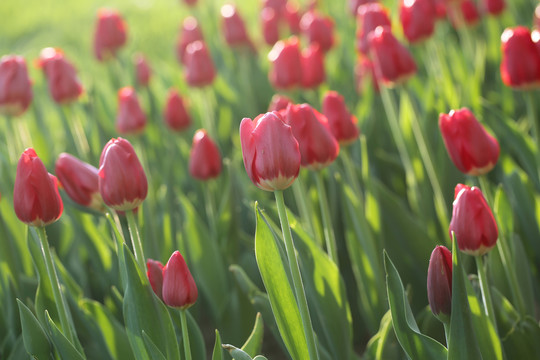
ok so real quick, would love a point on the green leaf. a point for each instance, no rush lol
(218, 349)
(237, 353)
(280, 293)
(196, 339)
(253, 344)
(415, 344)
(36, 341)
(61, 343)
(259, 357)
(384, 345)
(151, 348)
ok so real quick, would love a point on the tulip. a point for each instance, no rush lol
(341, 122)
(279, 102)
(536, 17)
(493, 7)
(369, 16)
(355, 4)
(292, 16)
(312, 61)
(35, 196)
(155, 276)
(319, 30)
(520, 66)
(471, 148)
(142, 70)
(179, 289)
(418, 19)
(286, 70)
(15, 86)
(234, 28)
(393, 62)
(204, 159)
(130, 118)
(190, 32)
(175, 114)
(270, 25)
(270, 151)
(110, 34)
(200, 70)
(318, 147)
(190, 2)
(279, 6)
(472, 221)
(80, 181)
(64, 85)
(469, 14)
(439, 283)
(122, 181)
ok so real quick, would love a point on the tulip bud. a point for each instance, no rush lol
(179, 289)
(439, 283)
(200, 70)
(341, 122)
(319, 30)
(270, 25)
(64, 85)
(292, 16)
(191, 32)
(270, 151)
(35, 196)
(469, 14)
(142, 70)
(155, 276)
(15, 86)
(175, 115)
(204, 159)
(80, 181)
(393, 62)
(353, 5)
(536, 17)
(520, 66)
(312, 60)
(190, 2)
(493, 7)
(286, 69)
(130, 118)
(279, 102)
(110, 34)
(234, 28)
(418, 19)
(318, 146)
(369, 16)
(471, 148)
(277, 5)
(122, 181)
(472, 221)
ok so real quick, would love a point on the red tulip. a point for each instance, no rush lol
(179, 289)
(279, 6)
(190, 32)
(393, 62)
(270, 151)
(293, 17)
(439, 283)
(318, 147)
(200, 70)
(520, 66)
(471, 148)
(355, 4)
(15, 86)
(319, 30)
(493, 7)
(472, 221)
(204, 159)
(155, 276)
(279, 102)
(122, 181)
(35, 196)
(175, 115)
(130, 118)
(469, 14)
(142, 70)
(312, 60)
(190, 2)
(270, 25)
(369, 16)
(234, 28)
(536, 17)
(110, 34)
(64, 85)
(341, 122)
(80, 181)
(286, 69)
(418, 19)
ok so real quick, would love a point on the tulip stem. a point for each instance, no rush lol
(351, 175)
(119, 237)
(304, 207)
(329, 236)
(135, 239)
(446, 332)
(185, 334)
(207, 116)
(208, 193)
(534, 126)
(486, 294)
(296, 277)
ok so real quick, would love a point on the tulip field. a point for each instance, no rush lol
(270, 179)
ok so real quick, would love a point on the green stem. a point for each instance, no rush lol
(486, 294)
(208, 194)
(534, 126)
(136, 240)
(120, 240)
(447, 332)
(304, 207)
(185, 334)
(352, 179)
(296, 277)
(329, 236)
(207, 116)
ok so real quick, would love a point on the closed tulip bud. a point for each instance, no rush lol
(80, 181)
(190, 2)
(190, 32)
(319, 30)
(155, 276)
(520, 66)
(110, 34)
(393, 62)
(15, 85)
(536, 17)
(369, 16)
(179, 289)
(200, 70)
(122, 181)
(341, 122)
(439, 283)
(279, 102)
(204, 159)
(286, 69)
(35, 196)
(318, 147)
(176, 116)
(270, 25)
(418, 19)
(493, 7)
(472, 221)
(313, 73)
(353, 5)
(471, 148)
(270, 151)
(130, 118)
(293, 17)
(365, 74)
(64, 85)
(234, 28)
(278, 6)
(142, 70)
(469, 14)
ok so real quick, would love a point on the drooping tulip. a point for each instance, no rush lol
(313, 72)
(15, 86)
(110, 34)
(154, 273)
(417, 19)
(189, 33)
(204, 159)
(318, 29)
(130, 118)
(286, 69)
(143, 72)
(369, 16)
(64, 85)
(179, 289)
(439, 283)
(341, 122)
(35, 196)
(176, 116)
(520, 66)
(199, 70)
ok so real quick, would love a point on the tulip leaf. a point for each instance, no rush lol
(61, 343)
(253, 344)
(35, 339)
(415, 344)
(260, 357)
(237, 353)
(218, 349)
(151, 348)
(384, 345)
(280, 293)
